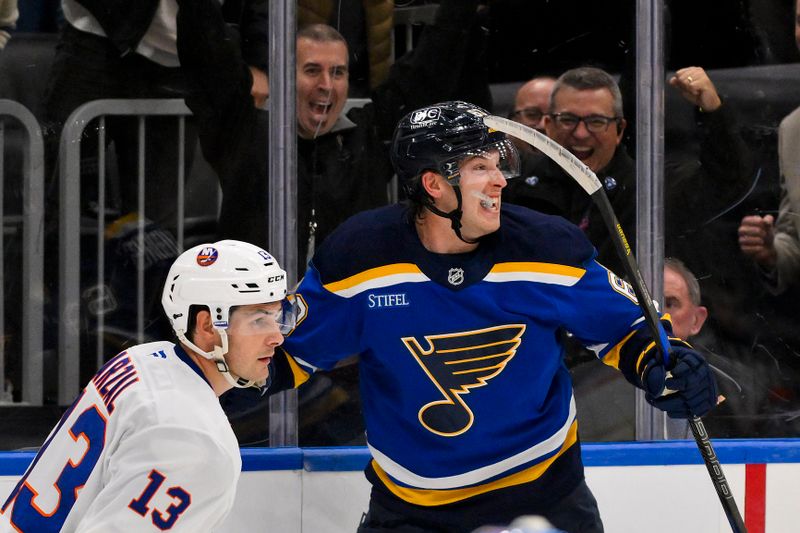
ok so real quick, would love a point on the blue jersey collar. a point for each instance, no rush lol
(183, 356)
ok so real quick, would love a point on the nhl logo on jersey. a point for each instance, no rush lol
(207, 256)
(455, 276)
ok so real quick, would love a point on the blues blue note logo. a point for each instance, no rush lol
(456, 363)
(207, 256)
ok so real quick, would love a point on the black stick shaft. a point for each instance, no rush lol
(651, 317)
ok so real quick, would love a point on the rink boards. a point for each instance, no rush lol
(653, 487)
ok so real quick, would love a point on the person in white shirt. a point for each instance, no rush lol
(146, 445)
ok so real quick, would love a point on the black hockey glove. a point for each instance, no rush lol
(691, 379)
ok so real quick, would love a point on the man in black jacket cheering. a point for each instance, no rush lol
(343, 164)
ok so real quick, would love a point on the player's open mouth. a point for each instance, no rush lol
(487, 202)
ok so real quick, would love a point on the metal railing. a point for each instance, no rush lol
(32, 222)
(70, 223)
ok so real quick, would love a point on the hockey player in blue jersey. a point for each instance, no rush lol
(146, 446)
(455, 305)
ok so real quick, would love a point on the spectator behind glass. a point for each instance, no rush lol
(585, 116)
(8, 19)
(343, 165)
(775, 245)
(682, 299)
(709, 186)
(367, 28)
(743, 386)
(530, 106)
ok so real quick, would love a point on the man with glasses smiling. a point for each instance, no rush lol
(584, 116)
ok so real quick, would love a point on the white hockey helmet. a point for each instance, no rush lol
(221, 276)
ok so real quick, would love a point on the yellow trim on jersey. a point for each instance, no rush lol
(547, 273)
(369, 277)
(431, 497)
(300, 375)
(641, 356)
(542, 268)
(612, 357)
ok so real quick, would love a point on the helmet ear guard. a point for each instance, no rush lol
(222, 276)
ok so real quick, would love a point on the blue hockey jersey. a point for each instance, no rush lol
(463, 382)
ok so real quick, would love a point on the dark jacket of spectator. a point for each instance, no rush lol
(125, 23)
(544, 186)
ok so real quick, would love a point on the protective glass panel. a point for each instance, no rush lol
(730, 220)
(179, 157)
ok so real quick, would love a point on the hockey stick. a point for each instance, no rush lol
(589, 182)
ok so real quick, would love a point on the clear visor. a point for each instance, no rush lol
(508, 163)
(264, 319)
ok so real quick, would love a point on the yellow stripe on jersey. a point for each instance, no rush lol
(550, 273)
(373, 278)
(431, 497)
(612, 357)
(300, 375)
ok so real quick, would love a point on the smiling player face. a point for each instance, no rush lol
(481, 185)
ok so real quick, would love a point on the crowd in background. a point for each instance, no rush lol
(730, 217)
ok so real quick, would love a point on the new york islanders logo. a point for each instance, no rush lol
(207, 256)
(458, 362)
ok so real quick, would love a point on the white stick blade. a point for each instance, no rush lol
(563, 157)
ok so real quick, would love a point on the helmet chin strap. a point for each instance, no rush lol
(454, 215)
(218, 356)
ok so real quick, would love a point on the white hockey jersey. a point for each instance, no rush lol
(145, 447)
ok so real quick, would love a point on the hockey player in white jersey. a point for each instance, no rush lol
(146, 445)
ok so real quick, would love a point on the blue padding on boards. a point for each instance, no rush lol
(335, 459)
(253, 459)
(346, 459)
(730, 451)
(260, 459)
(685, 452)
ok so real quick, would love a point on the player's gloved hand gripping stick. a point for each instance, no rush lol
(686, 359)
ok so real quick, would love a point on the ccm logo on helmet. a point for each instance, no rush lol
(423, 116)
(207, 256)
(275, 278)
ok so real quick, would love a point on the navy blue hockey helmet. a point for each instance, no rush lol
(439, 136)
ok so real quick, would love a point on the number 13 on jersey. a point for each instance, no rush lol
(166, 519)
